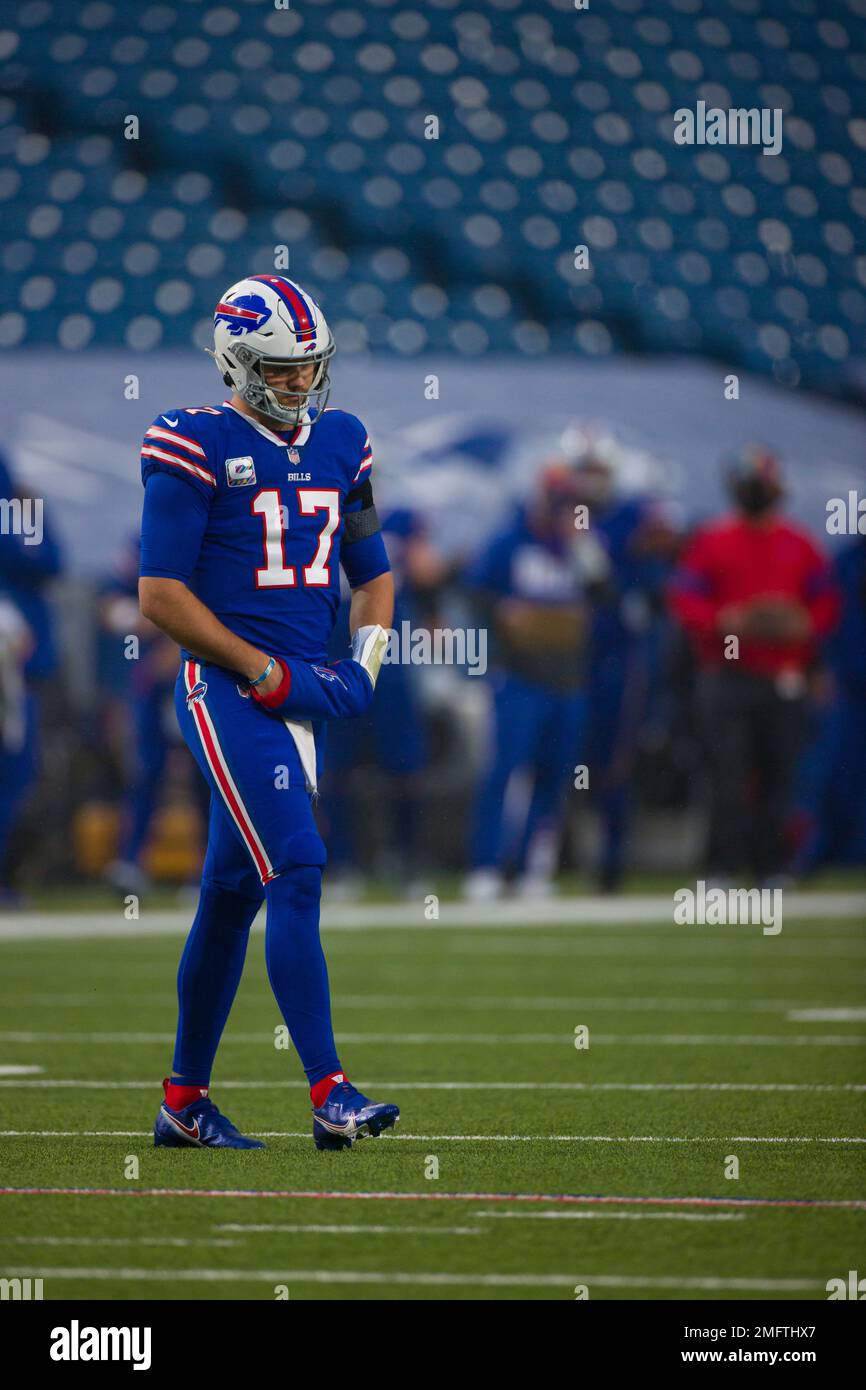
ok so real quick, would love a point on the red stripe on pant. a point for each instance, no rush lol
(216, 762)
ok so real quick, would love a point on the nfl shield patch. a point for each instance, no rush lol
(294, 456)
(240, 472)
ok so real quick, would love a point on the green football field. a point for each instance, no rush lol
(710, 1050)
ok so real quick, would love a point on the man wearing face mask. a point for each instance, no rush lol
(756, 596)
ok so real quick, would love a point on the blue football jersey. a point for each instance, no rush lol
(253, 521)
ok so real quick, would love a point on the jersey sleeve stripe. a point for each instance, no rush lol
(149, 451)
(363, 469)
(155, 432)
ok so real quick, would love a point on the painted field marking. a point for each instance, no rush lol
(477, 1039)
(317, 1228)
(430, 1279)
(615, 1215)
(88, 1084)
(176, 1242)
(833, 1015)
(820, 949)
(560, 1199)
(473, 1138)
(482, 1003)
(652, 910)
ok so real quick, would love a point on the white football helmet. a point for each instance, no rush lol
(267, 322)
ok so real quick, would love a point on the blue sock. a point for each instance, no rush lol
(296, 967)
(207, 979)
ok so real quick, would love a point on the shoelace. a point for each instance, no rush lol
(344, 1089)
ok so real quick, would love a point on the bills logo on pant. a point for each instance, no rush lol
(326, 674)
(197, 693)
(244, 314)
(240, 472)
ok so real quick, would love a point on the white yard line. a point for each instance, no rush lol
(837, 1015)
(639, 951)
(265, 1039)
(120, 1242)
(491, 1003)
(566, 1282)
(88, 1084)
(574, 912)
(554, 1199)
(317, 1228)
(476, 1138)
(610, 1216)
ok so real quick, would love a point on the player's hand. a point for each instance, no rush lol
(306, 691)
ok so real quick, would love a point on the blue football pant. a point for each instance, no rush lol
(616, 702)
(263, 845)
(534, 728)
(151, 751)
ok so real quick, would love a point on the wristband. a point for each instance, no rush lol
(267, 671)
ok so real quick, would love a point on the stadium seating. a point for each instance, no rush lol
(305, 127)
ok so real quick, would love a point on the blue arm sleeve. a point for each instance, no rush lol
(365, 560)
(173, 524)
(341, 691)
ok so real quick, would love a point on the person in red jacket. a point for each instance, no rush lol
(756, 596)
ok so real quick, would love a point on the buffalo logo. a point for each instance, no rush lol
(197, 693)
(326, 673)
(245, 314)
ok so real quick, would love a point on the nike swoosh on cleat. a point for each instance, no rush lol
(192, 1133)
(346, 1128)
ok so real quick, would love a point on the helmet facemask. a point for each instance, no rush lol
(289, 407)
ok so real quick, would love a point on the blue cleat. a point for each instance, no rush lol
(347, 1116)
(200, 1126)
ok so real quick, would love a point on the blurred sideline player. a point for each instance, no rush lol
(16, 644)
(393, 732)
(533, 585)
(624, 635)
(150, 687)
(26, 569)
(758, 577)
(833, 802)
(250, 508)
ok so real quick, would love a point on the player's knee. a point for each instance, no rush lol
(225, 905)
(304, 849)
(299, 888)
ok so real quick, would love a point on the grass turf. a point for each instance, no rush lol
(417, 1011)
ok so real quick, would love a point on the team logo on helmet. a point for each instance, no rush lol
(244, 315)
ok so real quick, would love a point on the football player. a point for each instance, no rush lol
(250, 508)
(534, 586)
